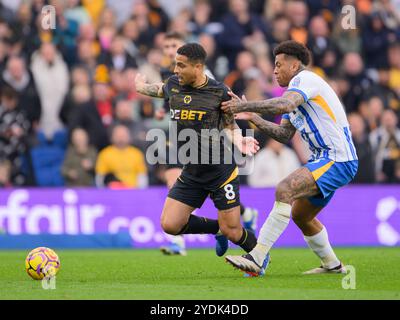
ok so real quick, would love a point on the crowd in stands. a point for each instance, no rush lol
(70, 114)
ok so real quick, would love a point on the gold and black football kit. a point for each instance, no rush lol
(209, 166)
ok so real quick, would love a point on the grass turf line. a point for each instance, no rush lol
(147, 274)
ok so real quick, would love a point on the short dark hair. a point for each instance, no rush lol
(294, 49)
(174, 35)
(194, 52)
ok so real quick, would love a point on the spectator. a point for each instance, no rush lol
(3, 55)
(394, 65)
(14, 128)
(382, 88)
(385, 142)
(329, 62)
(357, 79)
(347, 40)
(280, 31)
(17, 77)
(80, 76)
(271, 164)
(201, 20)
(212, 62)
(245, 66)
(94, 8)
(273, 9)
(5, 173)
(24, 31)
(371, 111)
(152, 66)
(65, 33)
(107, 28)
(118, 87)
(129, 76)
(131, 33)
(75, 11)
(181, 25)
(147, 31)
(120, 11)
(375, 41)
(389, 14)
(297, 11)
(87, 32)
(158, 18)
(178, 6)
(319, 41)
(104, 43)
(124, 115)
(118, 58)
(84, 114)
(52, 81)
(242, 30)
(327, 8)
(120, 163)
(87, 56)
(366, 166)
(103, 102)
(79, 162)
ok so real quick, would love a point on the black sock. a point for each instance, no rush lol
(242, 209)
(248, 240)
(198, 225)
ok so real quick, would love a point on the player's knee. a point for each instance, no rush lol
(297, 218)
(233, 233)
(282, 193)
(170, 227)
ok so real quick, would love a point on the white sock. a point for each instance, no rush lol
(247, 215)
(178, 240)
(271, 230)
(319, 243)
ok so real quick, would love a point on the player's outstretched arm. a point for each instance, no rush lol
(289, 101)
(282, 132)
(148, 89)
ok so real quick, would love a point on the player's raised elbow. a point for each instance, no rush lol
(290, 105)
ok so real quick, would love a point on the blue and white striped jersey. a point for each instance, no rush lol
(321, 119)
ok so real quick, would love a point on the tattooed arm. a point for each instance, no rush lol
(148, 89)
(285, 104)
(282, 132)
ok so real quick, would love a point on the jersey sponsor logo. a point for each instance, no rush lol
(298, 122)
(175, 90)
(187, 99)
(184, 114)
(296, 82)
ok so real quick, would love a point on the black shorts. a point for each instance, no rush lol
(225, 195)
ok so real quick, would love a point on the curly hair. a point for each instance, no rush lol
(294, 49)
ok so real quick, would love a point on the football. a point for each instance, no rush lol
(42, 262)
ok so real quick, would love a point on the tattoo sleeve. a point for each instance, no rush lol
(285, 104)
(282, 132)
(152, 90)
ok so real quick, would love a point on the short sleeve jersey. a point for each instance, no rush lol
(199, 110)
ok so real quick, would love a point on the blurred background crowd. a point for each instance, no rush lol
(69, 111)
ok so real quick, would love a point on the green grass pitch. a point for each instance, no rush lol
(146, 274)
